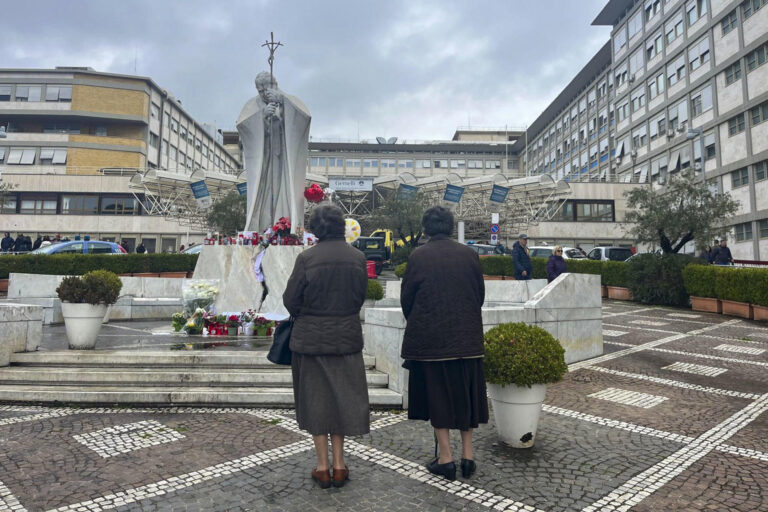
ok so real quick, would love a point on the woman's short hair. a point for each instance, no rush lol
(437, 221)
(558, 248)
(327, 221)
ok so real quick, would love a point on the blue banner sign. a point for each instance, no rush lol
(453, 193)
(201, 193)
(242, 188)
(499, 194)
(406, 191)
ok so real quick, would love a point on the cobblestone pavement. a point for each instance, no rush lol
(673, 417)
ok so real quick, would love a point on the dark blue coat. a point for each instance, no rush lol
(522, 261)
(555, 267)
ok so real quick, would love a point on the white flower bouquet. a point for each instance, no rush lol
(199, 294)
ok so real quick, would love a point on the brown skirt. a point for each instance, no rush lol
(450, 394)
(331, 394)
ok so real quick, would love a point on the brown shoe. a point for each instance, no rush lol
(323, 478)
(340, 476)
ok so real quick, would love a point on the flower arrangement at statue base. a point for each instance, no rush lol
(206, 323)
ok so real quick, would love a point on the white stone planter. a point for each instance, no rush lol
(516, 411)
(83, 322)
(105, 320)
(367, 304)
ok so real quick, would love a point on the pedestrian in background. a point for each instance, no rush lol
(324, 295)
(521, 259)
(723, 254)
(707, 254)
(6, 245)
(141, 249)
(555, 264)
(38, 241)
(441, 296)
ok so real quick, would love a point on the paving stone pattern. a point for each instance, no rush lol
(673, 416)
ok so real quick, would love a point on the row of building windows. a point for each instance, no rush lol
(744, 231)
(36, 93)
(57, 126)
(737, 124)
(30, 156)
(29, 203)
(586, 211)
(356, 163)
(740, 177)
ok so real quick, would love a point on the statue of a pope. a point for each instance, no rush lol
(274, 130)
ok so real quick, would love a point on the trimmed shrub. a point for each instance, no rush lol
(497, 265)
(760, 287)
(699, 281)
(401, 255)
(584, 266)
(657, 278)
(612, 273)
(400, 270)
(78, 264)
(522, 355)
(539, 268)
(96, 287)
(734, 284)
(375, 291)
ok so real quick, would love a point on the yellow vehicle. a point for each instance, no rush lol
(391, 241)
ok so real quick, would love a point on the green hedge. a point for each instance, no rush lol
(78, 264)
(613, 273)
(657, 278)
(497, 265)
(400, 270)
(539, 268)
(727, 283)
(375, 291)
(584, 266)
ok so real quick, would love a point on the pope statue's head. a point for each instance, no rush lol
(264, 82)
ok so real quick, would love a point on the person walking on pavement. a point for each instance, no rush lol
(441, 297)
(521, 259)
(141, 249)
(7, 243)
(38, 242)
(723, 254)
(556, 264)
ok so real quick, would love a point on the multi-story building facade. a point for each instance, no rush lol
(678, 83)
(71, 139)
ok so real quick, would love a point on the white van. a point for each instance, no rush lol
(545, 251)
(610, 253)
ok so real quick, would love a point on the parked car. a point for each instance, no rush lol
(195, 249)
(375, 249)
(610, 253)
(545, 251)
(486, 250)
(81, 247)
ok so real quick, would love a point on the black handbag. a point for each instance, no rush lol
(280, 351)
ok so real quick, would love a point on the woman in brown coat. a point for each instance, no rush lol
(441, 295)
(324, 295)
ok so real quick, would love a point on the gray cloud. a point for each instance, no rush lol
(414, 69)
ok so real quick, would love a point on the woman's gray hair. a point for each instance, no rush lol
(327, 221)
(437, 220)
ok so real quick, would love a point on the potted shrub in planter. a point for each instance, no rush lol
(374, 292)
(520, 360)
(612, 276)
(734, 290)
(699, 281)
(400, 270)
(760, 294)
(497, 268)
(84, 302)
(233, 322)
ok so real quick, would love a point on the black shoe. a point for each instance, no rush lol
(448, 470)
(468, 468)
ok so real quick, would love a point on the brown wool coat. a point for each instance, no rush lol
(441, 295)
(324, 294)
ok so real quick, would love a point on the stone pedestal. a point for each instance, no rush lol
(239, 288)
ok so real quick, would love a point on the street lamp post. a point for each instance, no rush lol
(692, 133)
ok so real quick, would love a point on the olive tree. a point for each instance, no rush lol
(227, 215)
(682, 211)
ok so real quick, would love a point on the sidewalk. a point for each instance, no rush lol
(671, 417)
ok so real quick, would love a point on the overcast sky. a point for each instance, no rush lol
(413, 69)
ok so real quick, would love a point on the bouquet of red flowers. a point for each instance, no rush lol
(233, 321)
(283, 226)
(314, 194)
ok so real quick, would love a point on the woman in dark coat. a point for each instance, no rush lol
(556, 264)
(441, 295)
(324, 295)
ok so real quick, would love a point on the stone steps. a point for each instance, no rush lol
(169, 395)
(152, 359)
(85, 376)
(162, 378)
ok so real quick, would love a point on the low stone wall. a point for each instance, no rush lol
(141, 298)
(570, 308)
(21, 329)
(496, 292)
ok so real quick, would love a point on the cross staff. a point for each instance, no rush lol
(272, 45)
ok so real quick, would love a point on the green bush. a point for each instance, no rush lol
(539, 268)
(522, 355)
(699, 280)
(401, 255)
(734, 283)
(612, 273)
(78, 264)
(400, 270)
(374, 291)
(657, 278)
(497, 265)
(584, 266)
(760, 287)
(95, 287)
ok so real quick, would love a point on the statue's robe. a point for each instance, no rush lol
(275, 155)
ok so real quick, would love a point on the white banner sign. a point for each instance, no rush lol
(351, 184)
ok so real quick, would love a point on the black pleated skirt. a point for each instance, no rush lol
(450, 394)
